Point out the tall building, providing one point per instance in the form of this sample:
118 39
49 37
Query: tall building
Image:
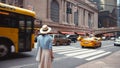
105 5
107 13
118 14
108 5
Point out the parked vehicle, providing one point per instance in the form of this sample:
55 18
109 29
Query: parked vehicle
60 39
73 37
90 42
112 38
117 41
103 38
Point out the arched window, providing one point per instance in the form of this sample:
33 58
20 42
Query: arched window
54 11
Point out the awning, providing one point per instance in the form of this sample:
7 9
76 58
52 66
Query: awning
81 33
108 34
67 32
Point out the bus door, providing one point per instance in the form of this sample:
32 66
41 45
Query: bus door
25 32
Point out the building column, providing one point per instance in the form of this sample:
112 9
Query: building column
86 18
95 20
64 12
79 17
72 16
92 20
48 9
82 17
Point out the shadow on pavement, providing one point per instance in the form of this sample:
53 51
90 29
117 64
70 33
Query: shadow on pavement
16 56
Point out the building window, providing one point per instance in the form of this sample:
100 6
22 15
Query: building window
54 11
68 11
20 3
76 18
84 17
89 20
12 2
3 1
119 12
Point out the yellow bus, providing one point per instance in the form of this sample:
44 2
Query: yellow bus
16 29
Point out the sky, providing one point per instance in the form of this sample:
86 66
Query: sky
118 1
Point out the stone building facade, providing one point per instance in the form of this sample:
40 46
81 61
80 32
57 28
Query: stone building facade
18 3
66 15
77 16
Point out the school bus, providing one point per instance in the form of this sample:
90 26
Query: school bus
16 29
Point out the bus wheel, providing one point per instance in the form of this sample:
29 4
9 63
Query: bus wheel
3 50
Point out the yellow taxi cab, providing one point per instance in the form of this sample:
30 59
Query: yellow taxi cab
90 42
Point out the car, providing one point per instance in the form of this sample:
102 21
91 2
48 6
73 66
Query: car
73 37
103 38
112 38
90 42
60 39
117 42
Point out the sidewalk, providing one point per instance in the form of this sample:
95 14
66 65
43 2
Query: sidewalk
112 61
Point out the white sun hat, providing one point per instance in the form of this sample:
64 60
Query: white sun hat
45 29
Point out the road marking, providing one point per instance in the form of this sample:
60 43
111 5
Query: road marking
64 47
89 54
25 65
79 53
58 50
72 51
97 56
107 45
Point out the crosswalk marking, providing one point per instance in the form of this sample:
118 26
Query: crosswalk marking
97 56
77 53
72 51
87 54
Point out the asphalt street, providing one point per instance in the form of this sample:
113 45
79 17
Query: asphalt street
65 56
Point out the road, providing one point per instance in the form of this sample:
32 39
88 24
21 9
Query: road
65 56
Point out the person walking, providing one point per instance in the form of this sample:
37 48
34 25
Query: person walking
44 44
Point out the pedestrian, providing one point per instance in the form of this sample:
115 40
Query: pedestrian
44 44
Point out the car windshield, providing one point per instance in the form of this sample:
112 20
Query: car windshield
89 38
117 37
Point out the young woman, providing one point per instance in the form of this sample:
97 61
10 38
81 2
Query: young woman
44 43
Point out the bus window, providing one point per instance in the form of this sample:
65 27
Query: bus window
7 21
29 25
21 23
